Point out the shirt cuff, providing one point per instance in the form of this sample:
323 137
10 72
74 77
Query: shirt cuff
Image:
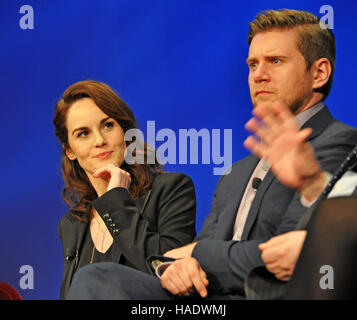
307 203
159 270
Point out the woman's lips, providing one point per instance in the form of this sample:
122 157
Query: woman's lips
103 155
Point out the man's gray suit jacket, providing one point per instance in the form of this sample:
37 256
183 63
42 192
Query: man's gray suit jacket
276 209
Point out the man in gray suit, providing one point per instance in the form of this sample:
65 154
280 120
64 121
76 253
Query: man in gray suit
291 60
294 164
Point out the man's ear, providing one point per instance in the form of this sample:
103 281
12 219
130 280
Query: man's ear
69 153
321 69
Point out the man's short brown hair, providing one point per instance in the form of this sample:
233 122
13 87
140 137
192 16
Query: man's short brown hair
314 42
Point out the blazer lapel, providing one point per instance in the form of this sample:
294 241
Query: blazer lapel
141 201
318 123
253 212
230 205
74 239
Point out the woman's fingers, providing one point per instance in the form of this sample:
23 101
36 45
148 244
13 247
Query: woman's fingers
103 173
115 176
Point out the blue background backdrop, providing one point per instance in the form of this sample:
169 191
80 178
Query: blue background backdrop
179 62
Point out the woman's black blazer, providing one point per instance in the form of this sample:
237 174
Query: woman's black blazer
160 220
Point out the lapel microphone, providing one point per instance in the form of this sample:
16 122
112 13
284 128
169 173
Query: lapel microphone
256 183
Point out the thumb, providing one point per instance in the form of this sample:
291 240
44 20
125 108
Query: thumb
304 134
264 245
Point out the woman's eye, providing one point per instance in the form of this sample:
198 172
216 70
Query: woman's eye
82 134
109 124
276 61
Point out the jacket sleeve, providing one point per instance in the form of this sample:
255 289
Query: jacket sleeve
168 220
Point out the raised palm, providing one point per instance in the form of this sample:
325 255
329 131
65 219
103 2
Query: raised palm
291 157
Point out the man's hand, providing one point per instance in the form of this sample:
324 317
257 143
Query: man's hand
184 276
292 159
280 253
182 252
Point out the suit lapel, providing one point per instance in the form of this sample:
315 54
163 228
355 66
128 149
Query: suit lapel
253 212
229 207
318 123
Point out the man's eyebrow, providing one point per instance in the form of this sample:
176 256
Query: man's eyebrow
84 128
267 57
271 56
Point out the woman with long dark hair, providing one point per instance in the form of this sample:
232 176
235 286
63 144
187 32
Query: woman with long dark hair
119 212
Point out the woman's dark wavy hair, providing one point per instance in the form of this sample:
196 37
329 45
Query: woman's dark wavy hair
78 191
